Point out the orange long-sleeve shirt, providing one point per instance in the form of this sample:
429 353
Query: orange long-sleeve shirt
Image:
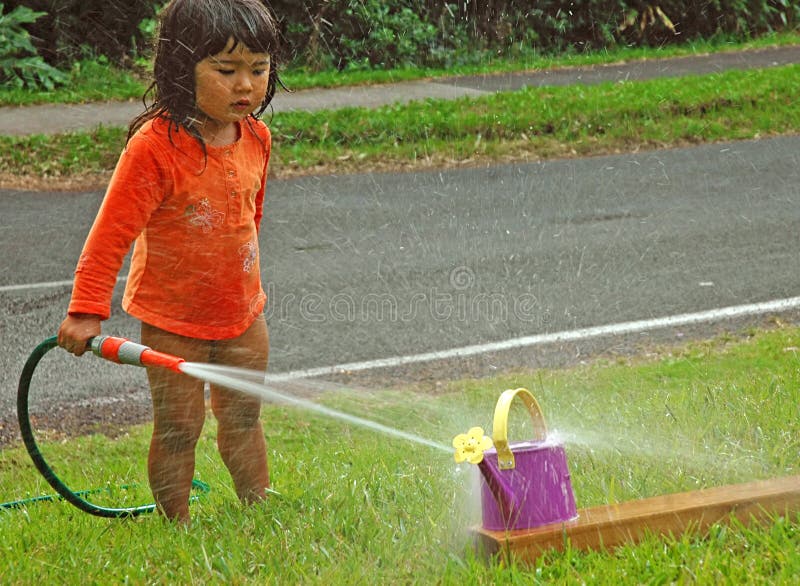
194 220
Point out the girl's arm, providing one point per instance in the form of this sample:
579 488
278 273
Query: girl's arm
267 138
135 191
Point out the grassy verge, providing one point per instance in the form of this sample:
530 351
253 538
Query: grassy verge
301 79
89 81
528 124
356 506
98 80
546 122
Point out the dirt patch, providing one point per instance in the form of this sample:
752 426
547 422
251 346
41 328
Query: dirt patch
72 183
344 165
98 181
65 421
506 152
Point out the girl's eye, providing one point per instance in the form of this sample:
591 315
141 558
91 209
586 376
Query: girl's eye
259 71
225 71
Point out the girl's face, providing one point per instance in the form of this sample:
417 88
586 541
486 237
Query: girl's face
229 86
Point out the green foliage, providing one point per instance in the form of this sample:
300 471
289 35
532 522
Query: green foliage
89 80
63 155
99 79
356 34
20 65
77 29
544 122
374 34
430 33
377 33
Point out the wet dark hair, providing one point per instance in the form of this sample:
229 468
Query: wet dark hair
190 31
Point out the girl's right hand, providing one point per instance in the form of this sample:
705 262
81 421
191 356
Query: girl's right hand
76 331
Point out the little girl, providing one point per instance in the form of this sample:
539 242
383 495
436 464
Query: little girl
189 189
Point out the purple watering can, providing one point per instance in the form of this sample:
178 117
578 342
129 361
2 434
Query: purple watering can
523 485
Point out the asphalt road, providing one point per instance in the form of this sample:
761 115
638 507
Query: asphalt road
371 266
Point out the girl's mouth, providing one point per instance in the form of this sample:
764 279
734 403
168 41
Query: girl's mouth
242 105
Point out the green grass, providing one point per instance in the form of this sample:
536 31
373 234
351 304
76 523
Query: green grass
302 79
63 154
549 121
90 81
530 123
94 80
359 507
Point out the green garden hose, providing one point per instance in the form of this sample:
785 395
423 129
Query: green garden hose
63 490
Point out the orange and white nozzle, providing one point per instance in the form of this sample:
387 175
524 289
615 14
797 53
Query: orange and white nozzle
123 351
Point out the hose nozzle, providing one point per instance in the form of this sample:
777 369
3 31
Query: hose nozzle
123 351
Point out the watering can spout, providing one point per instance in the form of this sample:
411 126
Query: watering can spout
470 447
507 503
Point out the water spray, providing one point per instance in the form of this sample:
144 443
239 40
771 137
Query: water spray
123 351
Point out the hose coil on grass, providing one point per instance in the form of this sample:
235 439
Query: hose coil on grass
62 489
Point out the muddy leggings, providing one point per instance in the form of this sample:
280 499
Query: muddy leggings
179 414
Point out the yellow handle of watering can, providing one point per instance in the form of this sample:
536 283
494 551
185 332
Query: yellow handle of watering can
505 458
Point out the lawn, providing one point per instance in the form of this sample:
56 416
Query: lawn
354 505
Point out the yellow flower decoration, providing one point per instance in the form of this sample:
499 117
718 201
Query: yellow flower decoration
471 445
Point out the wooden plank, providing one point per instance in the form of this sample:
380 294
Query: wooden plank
672 514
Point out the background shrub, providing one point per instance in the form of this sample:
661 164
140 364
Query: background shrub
356 33
20 66
351 34
348 33
72 29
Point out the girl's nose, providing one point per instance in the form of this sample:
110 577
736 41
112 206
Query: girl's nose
244 82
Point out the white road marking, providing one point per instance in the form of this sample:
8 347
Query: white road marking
630 327
44 285
539 339
32 286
